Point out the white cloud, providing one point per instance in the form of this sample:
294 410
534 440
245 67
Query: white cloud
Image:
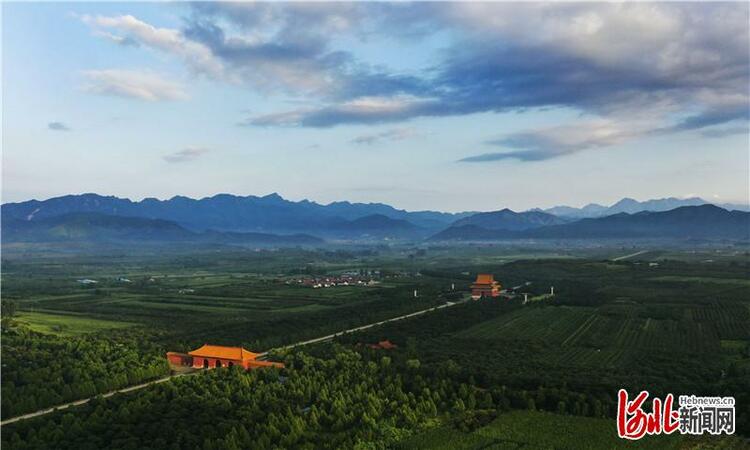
368 109
553 142
194 54
142 85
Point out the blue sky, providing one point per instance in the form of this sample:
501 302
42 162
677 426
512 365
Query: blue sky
447 106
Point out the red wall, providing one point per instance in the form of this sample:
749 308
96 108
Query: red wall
199 360
179 359
249 364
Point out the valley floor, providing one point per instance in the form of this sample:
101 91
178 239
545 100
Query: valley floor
494 373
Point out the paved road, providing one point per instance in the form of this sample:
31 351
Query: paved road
161 380
620 258
364 327
86 400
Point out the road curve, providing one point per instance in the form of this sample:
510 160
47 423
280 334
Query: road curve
136 387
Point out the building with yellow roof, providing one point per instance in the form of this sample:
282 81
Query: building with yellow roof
212 356
485 286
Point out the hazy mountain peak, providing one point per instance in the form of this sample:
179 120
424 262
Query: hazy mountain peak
626 201
632 206
273 196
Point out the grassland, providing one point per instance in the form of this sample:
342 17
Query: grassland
66 324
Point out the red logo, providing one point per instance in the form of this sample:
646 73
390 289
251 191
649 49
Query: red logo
633 423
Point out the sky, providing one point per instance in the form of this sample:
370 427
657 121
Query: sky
441 106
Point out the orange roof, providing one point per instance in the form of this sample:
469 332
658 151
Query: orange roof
218 351
485 278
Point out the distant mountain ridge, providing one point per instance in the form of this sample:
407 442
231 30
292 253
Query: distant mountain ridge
98 228
631 206
686 222
232 217
225 212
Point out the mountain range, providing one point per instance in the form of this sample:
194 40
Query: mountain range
273 220
225 212
685 222
632 206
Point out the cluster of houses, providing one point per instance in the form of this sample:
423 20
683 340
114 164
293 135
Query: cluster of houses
334 280
350 278
90 281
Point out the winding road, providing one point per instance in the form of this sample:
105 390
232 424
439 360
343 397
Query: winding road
136 387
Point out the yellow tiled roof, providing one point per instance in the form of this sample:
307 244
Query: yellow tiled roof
218 351
485 278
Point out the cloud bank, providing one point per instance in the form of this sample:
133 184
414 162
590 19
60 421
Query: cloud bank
548 143
683 65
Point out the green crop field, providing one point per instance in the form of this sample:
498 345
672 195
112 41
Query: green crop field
66 324
605 336
708 280
552 325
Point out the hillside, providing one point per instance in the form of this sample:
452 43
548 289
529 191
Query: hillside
687 222
97 228
375 226
509 220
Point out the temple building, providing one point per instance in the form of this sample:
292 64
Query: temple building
211 356
485 286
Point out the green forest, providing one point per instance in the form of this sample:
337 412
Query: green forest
466 373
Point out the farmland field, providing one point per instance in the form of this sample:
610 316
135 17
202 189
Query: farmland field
551 325
66 324
610 325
